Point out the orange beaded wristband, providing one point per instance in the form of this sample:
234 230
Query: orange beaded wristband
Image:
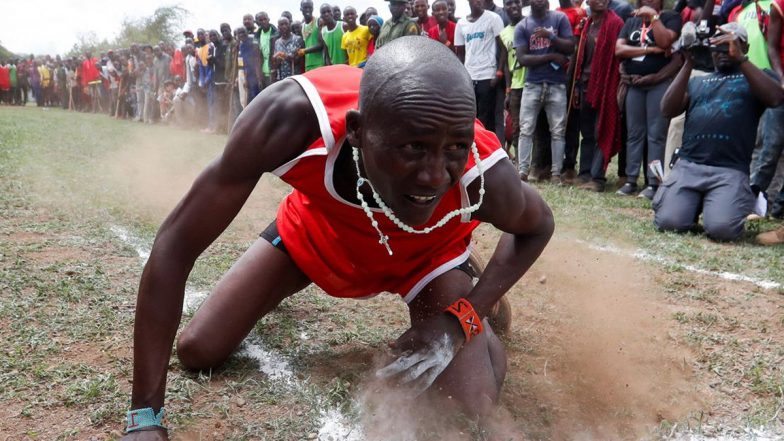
468 318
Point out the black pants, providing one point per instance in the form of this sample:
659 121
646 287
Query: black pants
485 103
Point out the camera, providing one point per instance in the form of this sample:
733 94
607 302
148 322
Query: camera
694 36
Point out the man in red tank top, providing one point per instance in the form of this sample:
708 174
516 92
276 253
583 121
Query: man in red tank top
391 173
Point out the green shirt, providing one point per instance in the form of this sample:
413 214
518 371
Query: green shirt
758 47
396 29
12 75
518 72
333 40
264 45
310 35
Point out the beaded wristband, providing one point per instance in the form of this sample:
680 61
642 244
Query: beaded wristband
468 318
139 419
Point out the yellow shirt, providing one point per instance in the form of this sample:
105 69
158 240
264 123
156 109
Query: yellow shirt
356 43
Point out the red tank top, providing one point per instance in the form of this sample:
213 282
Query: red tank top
332 241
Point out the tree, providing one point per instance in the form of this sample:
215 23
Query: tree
163 25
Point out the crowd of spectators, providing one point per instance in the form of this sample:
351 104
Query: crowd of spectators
688 99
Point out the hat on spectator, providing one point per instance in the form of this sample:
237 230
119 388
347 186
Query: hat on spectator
188 34
737 29
377 19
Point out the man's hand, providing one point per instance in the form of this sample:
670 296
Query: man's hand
442 37
146 435
424 351
559 58
541 32
645 12
735 52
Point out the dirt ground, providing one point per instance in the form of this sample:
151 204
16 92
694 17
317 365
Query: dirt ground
603 346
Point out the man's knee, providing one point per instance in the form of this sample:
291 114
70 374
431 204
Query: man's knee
723 229
666 220
194 352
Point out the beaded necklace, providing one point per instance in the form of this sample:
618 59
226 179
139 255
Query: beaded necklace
383 238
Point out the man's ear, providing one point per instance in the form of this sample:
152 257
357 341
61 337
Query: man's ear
354 128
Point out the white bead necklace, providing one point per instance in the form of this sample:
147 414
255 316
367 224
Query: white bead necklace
383 238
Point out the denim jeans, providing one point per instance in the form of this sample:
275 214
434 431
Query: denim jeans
764 167
553 98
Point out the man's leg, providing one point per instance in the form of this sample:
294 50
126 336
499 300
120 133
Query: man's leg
498 111
727 203
555 108
485 103
530 105
515 97
764 167
677 204
636 123
475 375
657 129
254 286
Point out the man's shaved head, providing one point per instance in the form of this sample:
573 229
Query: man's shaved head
397 70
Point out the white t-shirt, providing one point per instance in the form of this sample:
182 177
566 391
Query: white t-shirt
479 41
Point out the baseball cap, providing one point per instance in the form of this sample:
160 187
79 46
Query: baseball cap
735 28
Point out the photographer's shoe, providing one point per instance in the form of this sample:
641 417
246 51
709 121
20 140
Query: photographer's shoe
775 237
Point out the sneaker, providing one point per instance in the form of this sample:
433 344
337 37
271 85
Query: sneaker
556 180
621 181
775 237
594 186
523 177
648 193
628 189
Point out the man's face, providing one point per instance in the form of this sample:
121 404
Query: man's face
227 34
200 35
157 51
242 34
336 13
247 21
397 9
296 28
540 5
452 7
441 12
214 37
307 10
283 27
513 8
325 13
412 163
350 16
598 5
374 28
420 9
476 5
262 19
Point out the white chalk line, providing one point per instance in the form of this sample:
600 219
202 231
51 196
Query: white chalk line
648 257
335 426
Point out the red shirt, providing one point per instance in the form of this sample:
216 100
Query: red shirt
450 33
332 241
177 65
575 16
5 78
89 71
430 23
780 11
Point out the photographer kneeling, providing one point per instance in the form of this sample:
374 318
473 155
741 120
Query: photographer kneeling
722 113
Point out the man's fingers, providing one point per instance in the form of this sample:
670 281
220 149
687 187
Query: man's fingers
399 365
416 370
427 379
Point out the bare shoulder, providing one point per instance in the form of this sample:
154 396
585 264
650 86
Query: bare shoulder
277 126
509 204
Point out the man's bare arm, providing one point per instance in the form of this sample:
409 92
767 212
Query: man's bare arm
267 134
527 222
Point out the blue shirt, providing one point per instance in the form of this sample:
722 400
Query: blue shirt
558 24
721 121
